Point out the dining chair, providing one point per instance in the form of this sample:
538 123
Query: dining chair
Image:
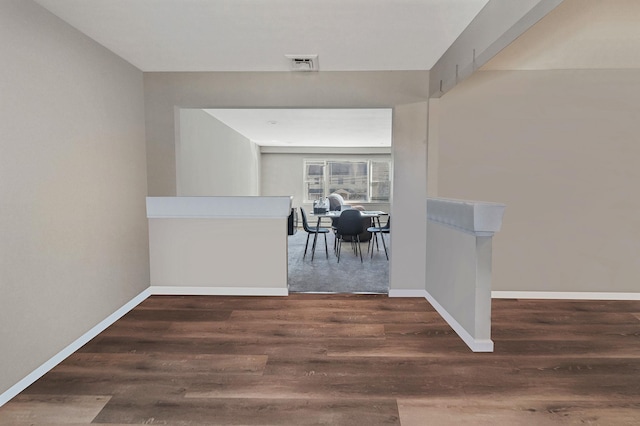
350 226
375 230
315 230
336 203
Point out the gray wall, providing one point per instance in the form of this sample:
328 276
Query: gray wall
560 149
459 280
213 159
74 244
409 229
166 91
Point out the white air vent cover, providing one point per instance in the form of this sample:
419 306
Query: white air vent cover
303 62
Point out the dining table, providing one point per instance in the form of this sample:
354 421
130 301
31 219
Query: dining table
373 214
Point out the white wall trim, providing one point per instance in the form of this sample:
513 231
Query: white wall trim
323 150
476 345
77 344
218 291
563 295
407 292
479 218
249 207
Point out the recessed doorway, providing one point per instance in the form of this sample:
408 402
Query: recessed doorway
267 150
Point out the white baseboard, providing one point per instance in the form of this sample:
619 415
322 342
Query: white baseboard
476 345
560 295
564 295
407 293
77 344
218 291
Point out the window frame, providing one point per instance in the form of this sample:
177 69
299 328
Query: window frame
326 182
306 181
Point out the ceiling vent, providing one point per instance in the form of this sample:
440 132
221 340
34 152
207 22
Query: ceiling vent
303 62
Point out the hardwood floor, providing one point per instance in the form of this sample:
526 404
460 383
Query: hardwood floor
344 360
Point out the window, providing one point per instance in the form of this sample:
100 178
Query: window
358 180
314 180
380 187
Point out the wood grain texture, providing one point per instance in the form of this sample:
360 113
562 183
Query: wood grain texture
344 360
510 411
40 409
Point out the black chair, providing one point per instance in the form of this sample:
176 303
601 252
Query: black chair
336 203
375 230
315 230
350 226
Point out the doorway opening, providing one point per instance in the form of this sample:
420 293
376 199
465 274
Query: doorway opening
269 152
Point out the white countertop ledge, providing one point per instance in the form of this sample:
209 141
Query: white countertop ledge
480 218
249 207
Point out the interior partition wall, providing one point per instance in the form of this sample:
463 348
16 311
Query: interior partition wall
167 92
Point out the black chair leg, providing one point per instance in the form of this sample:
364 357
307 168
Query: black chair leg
305 246
385 246
358 247
370 245
313 248
326 249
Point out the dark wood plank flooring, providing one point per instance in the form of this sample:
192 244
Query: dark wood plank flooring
344 360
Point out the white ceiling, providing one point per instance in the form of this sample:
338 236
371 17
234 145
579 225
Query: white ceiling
254 35
310 127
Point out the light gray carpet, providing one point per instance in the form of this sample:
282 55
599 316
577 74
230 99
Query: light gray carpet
324 275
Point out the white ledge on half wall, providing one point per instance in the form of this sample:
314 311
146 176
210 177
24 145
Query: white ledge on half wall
219 207
479 218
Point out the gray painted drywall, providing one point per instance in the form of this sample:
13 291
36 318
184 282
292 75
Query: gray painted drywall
459 277
202 254
212 159
409 226
74 246
560 149
166 91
